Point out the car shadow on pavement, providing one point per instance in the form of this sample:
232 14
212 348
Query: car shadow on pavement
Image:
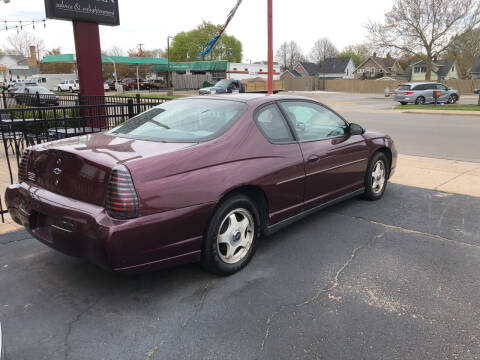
329 269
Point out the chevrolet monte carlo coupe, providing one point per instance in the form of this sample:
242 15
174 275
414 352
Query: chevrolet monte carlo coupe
195 179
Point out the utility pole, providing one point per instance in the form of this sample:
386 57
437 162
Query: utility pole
270 47
140 51
168 66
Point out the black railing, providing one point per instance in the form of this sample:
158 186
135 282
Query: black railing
24 126
33 99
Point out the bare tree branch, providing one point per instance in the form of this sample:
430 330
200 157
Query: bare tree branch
424 26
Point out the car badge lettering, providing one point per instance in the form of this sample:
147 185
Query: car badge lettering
57 171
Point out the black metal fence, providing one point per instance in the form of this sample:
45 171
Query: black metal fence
25 125
10 100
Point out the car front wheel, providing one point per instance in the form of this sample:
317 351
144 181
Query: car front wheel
376 177
59 89
229 242
452 99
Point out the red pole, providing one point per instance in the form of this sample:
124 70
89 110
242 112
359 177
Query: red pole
270 47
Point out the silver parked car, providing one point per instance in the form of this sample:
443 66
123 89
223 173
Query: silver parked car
422 93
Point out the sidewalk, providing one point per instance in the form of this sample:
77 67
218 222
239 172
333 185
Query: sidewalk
447 176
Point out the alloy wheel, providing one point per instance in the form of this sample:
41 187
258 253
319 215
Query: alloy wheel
420 100
452 99
378 177
235 236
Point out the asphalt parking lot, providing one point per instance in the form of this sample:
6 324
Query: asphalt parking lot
394 279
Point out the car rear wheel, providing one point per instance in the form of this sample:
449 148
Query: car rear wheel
420 100
452 99
376 177
70 89
59 89
229 242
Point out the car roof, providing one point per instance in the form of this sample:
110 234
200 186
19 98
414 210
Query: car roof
420 83
252 97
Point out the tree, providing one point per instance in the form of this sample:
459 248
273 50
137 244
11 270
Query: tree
360 51
355 57
187 45
21 42
322 49
115 51
465 48
54 51
288 55
428 26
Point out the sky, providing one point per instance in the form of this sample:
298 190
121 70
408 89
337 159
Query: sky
150 22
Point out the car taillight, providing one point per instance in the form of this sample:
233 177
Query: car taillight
122 200
23 167
408 92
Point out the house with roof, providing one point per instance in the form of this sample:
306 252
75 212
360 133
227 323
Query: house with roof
15 67
306 69
289 74
475 70
441 70
376 67
337 68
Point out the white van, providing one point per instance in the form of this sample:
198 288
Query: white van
51 81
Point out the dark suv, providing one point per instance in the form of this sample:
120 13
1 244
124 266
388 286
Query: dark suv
422 93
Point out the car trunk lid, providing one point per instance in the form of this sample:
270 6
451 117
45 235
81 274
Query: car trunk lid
80 167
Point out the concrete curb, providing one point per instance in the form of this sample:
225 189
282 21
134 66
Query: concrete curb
440 112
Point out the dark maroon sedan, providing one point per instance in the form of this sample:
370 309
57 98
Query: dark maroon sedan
196 179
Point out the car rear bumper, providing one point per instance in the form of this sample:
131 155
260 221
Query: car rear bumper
403 98
85 230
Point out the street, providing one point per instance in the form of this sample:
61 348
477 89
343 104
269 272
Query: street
442 136
395 279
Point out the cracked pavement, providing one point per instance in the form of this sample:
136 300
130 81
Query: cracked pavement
394 279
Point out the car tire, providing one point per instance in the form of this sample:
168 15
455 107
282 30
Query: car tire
452 99
403 103
420 100
376 177
59 89
229 245
70 89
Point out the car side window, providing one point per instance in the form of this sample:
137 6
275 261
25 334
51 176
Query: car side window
312 121
272 124
420 87
441 87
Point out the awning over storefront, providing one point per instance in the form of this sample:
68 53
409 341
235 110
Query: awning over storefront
129 60
200 66
158 64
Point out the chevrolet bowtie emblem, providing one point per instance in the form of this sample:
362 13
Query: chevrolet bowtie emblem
57 171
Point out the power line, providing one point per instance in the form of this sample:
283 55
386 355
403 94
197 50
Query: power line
19 25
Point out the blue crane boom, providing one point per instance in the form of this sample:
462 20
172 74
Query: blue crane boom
211 44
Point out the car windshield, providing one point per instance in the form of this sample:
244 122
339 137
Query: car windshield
40 90
403 87
189 120
222 84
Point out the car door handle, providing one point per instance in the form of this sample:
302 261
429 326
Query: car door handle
313 158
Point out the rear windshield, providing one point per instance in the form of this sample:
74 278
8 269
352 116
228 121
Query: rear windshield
189 120
403 87
222 83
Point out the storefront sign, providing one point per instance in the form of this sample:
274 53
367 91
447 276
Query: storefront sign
104 12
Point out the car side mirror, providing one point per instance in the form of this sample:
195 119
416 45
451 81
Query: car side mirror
355 129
